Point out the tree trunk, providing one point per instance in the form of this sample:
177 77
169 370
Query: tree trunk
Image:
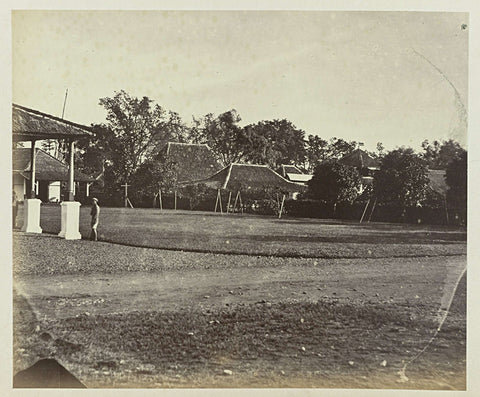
334 208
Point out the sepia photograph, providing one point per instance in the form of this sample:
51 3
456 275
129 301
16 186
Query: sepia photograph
239 199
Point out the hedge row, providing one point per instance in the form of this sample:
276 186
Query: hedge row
381 213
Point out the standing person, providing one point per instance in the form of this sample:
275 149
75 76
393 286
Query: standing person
14 208
95 212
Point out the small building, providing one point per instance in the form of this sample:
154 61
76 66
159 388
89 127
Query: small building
193 161
293 174
437 182
29 125
250 177
51 176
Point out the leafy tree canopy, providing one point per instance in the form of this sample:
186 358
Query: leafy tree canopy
222 133
136 130
274 142
319 150
334 183
439 154
402 179
456 178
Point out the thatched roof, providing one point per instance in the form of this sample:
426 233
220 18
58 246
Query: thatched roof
29 124
250 176
47 167
437 181
359 159
194 161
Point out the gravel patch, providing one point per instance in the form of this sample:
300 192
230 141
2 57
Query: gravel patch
48 254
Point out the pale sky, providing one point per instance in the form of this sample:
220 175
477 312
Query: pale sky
353 75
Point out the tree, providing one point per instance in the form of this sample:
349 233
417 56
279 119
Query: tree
275 142
136 130
154 176
197 194
334 183
175 128
402 180
317 151
439 154
49 146
222 133
339 147
430 152
93 152
456 178
380 150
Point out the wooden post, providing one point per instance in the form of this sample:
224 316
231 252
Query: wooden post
446 210
364 211
216 204
240 200
220 201
281 207
175 200
160 199
71 177
155 200
229 198
126 194
33 155
371 213
236 198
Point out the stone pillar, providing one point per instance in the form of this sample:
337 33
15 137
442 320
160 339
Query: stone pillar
31 216
32 192
70 221
71 180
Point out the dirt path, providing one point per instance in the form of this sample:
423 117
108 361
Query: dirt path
102 320
428 281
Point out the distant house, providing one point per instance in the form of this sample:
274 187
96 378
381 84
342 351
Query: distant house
437 182
193 161
293 174
360 159
365 164
251 177
51 176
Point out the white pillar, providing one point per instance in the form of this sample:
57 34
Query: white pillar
32 193
71 180
31 216
70 220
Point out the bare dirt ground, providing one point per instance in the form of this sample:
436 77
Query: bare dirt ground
190 319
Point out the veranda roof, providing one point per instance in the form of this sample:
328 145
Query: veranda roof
302 178
194 161
48 168
29 124
250 176
359 159
289 169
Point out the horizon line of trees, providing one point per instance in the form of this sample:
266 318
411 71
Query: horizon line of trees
127 148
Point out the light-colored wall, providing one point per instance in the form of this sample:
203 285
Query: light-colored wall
54 191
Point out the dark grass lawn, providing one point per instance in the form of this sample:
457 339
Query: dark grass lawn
263 235
323 344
